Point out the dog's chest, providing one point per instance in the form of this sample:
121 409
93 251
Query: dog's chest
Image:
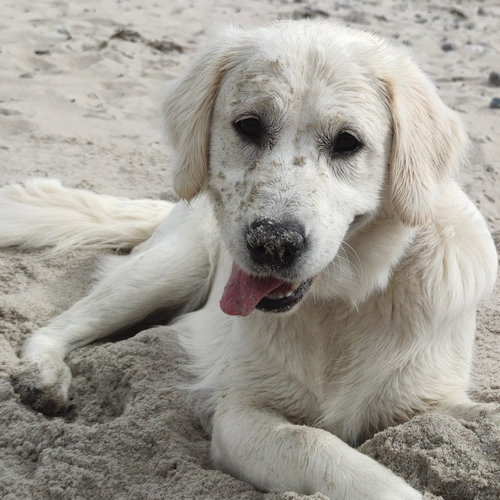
331 370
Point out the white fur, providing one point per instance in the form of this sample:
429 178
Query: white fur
400 257
74 217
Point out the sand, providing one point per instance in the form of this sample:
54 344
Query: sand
81 104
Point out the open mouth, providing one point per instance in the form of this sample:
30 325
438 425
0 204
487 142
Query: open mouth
244 293
284 297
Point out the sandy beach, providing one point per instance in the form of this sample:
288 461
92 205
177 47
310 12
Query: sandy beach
81 86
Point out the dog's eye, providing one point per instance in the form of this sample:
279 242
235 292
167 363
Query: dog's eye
250 128
345 143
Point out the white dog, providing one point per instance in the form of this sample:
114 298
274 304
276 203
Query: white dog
326 269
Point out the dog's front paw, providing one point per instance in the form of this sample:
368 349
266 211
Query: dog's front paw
43 384
492 412
375 482
394 489
406 493
471 411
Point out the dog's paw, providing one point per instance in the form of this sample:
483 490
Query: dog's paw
488 411
376 482
493 412
408 494
397 489
43 384
472 411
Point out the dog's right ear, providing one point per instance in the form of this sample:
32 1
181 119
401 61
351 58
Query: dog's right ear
188 110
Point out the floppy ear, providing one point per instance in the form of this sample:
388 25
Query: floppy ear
188 111
429 141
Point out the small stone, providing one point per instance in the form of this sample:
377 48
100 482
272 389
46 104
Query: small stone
9 112
128 35
447 47
495 103
309 13
494 79
26 75
419 19
458 14
65 32
166 46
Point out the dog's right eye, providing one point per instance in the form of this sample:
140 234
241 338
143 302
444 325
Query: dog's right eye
250 129
345 143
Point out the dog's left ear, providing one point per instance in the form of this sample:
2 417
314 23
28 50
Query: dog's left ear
429 140
188 110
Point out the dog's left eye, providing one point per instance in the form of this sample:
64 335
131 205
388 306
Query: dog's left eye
345 143
250 129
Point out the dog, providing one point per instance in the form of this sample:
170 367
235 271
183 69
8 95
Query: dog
324 266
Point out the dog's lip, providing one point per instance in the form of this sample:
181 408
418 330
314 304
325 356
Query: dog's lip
284 297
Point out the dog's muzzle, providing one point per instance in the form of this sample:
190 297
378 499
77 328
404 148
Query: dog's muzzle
274 247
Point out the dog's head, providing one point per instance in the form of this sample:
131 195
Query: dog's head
301 133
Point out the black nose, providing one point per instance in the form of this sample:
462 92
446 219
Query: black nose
275 244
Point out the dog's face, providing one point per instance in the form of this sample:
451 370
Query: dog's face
295 161
304 138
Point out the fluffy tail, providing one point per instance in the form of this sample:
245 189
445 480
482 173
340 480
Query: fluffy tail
44 213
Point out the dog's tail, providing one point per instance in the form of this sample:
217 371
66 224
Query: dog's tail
43 212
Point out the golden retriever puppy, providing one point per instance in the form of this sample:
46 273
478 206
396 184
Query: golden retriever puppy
326 268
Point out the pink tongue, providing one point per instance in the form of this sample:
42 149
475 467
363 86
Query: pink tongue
243 292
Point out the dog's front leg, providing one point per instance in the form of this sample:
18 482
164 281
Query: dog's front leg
263 448
171 271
